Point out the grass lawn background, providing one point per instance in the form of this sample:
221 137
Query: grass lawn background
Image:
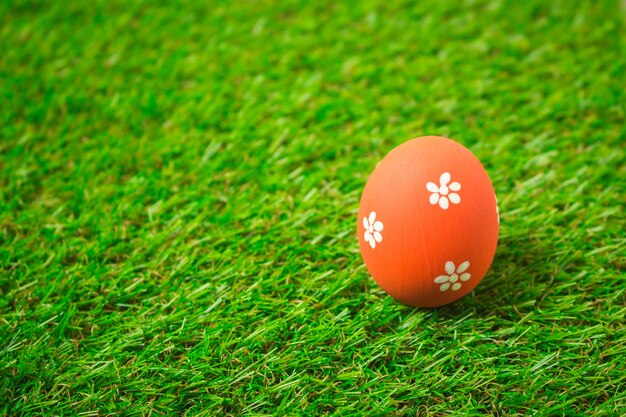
178 194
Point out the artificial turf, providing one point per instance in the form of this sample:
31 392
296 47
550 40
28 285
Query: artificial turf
179 189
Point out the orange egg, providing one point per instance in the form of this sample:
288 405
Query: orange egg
428 222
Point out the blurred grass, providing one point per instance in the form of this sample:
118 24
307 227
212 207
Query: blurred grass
179 185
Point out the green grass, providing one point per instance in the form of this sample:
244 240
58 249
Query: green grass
179 188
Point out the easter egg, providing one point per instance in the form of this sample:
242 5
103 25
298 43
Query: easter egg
428 222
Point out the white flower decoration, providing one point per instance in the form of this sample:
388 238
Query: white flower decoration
441 194
454 276
373 229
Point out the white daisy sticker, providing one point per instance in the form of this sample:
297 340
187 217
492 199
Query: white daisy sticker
444 193
455 276
373 229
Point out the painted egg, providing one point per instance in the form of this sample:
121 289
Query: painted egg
428 222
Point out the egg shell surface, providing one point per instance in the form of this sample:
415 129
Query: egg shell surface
428 222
